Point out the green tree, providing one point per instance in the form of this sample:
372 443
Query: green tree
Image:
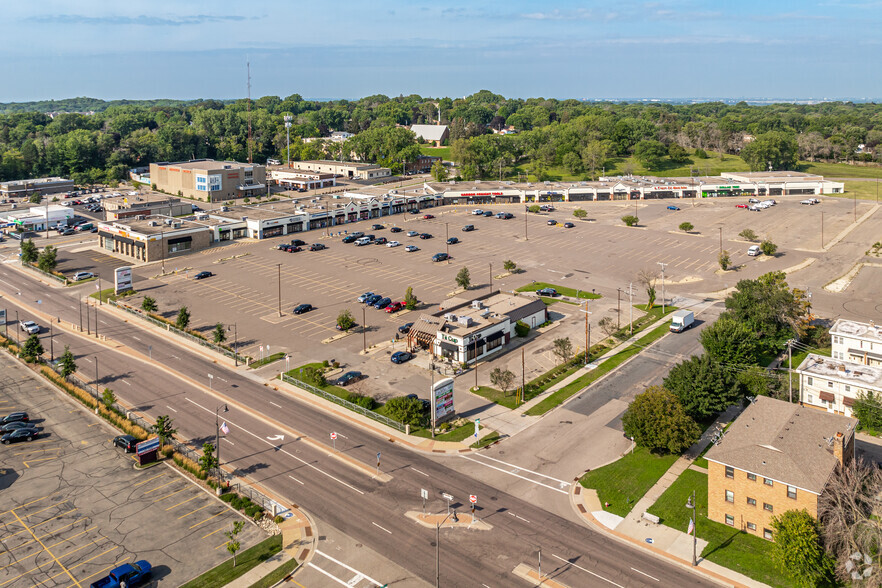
770 309
704 387
314 376
648 279
748 235
108 398
677 153
580 213
407 410
608 326
774 148
562 348
32 348
630 220
183 320
729 341
410 301
686 227
439 172
502 379
345 320
724 260
656 420
29 253
768 248
66 363
163 428
522 329
868 409
208 460
463 279
148 304
650 153
534 208
35 198
799 552
233 543
48 259
759 381
219 334
509 266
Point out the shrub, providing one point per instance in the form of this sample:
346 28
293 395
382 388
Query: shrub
630 220
725 260
748 235
361 400
279 519
768 248
522 329
326 364
701 153
406 410
228 497
686 227
314 376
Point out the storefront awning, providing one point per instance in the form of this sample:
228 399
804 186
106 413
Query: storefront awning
828 396
251 186
495 336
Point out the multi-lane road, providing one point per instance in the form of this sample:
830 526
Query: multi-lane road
301 468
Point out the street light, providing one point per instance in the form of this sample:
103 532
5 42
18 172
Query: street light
587 332
663 266
217 431
438 546
235 343
690 503
288 118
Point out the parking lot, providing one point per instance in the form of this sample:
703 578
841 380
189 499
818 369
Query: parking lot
74 507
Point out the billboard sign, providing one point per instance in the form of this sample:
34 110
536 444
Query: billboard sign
3 322
147 446
442 400
122 279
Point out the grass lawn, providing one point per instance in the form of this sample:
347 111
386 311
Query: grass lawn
727 546
560 290
840 170
442 152
860 190
107 294
494 395
485 441
245 562
624 482
266 360
458 434
329 388
276 575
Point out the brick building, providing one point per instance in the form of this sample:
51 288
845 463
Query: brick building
209 180
775 457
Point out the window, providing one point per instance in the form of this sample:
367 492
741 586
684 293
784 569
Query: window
767 534
751 526
809 399
809 380
768 507
730 472
730 520
751 477
848 388
768 482
751 501
829 384
791 492
730 496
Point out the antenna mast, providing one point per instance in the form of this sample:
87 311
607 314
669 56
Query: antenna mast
248 106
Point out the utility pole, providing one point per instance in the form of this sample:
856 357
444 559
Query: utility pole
663 266
280 289
631 308
97 392
619 310
80 304
288 118
526 238
476 363
721 240
51 346
447 238
363 331
523 376
790 368
587 332
491 278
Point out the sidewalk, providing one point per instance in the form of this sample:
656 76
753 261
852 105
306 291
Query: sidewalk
672 544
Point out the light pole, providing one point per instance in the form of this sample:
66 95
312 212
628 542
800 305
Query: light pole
280 289
288 118
235 344
663 266
51 346
690 503
363 331
447 237
217 430
438 546
587 332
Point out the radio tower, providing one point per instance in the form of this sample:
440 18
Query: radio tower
248 106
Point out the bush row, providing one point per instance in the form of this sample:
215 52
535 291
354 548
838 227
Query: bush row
244 504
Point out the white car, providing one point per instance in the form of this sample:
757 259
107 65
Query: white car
411 248
809 202
81 276
30 327
477 212
393 244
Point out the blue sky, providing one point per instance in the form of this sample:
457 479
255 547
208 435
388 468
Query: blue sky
348 49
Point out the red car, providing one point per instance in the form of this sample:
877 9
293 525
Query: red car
740 206
395 307
428 216
294 249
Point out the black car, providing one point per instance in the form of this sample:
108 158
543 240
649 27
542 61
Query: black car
488 213
382 303
552 222
15 417
283 247
10 427
569 225
127 442
380 241
202 275
468 228
352 237
395 230
425 236
298 243
294 249
547 292
301 308
452 241
377 227
405 328
440 257
19 435
349 377
401 356
317 247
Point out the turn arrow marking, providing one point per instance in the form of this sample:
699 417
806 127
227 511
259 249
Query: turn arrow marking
276 438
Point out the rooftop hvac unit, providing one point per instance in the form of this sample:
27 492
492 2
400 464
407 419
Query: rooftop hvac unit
177 225
466 321
450 317
484 312
153 223
225 208
168 221
244 218
477 304
202 217
141 217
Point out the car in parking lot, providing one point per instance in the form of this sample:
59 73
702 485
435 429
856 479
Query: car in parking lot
405 328
504 215
29 327
426 236
19 435
547 292
808 201
552 222
350 377
377 227
126 442
10 427
672 207
411 248
15 417
395 306
741 205
468 228
569 225
380 241
301 308
477 212
317 247
412 233
752 200
365 296
488 213
382 303
395 230
401 356
754 208
361 241
393 244
370 300
81 276
294 249
298 242
452 241
440 257
428 216
353 237
202 275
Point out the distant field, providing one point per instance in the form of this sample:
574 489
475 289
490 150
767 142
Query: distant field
840 170
442 152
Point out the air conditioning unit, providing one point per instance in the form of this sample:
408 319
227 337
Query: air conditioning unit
477 304
484 312
142 217
153 223
176 225
169 221
466 321
450 317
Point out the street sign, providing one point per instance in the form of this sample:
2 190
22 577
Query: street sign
147 446
424 493
473 499
447 497
477 427
333 435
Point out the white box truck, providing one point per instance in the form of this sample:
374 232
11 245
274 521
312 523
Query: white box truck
682 320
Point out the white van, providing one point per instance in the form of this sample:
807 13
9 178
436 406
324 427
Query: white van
754 250
363 241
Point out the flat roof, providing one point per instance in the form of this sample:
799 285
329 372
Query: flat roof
146 197
494 310
845 371
786 442
146 226
354 164
208 164
50 180
774 175
867 331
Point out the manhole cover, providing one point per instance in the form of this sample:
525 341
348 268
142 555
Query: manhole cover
359 545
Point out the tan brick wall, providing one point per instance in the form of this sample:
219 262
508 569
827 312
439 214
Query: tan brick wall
742 487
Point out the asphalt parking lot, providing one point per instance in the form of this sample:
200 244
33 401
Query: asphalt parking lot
74 507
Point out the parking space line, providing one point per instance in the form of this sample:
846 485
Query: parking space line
208 519
26 528
148 479
30 530
159 487
42 509
101 571
221 528
26 463
184 502
36 451
80 563
221 545
192 511
172 494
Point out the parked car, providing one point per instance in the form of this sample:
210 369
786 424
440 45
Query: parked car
428 216
440 257
317 247
426 236
395 307
298 243
754 250
365 296
350 377
127 442
377 227
452 241
282 247
10 427
15 417
808 201
815 200
412 233
294 249
82 276
569 225
488 213
371 300
382 303
361 241
742 205
477 212
393 244
353 237
405 328
202 275
752 200
380 241
468 228
672 207
68 232
411 248
24 434
552 222
29 327
301 308
547 292
401 357
125 576
395 230
754 208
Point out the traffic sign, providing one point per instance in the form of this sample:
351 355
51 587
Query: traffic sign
447 497
473 499
333 435
424 493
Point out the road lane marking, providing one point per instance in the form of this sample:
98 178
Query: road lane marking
419 472
645 574
518 517
487 465
227 440
379 527
135 338
328 574
170 408
351 569
587 571
274 404
124 382
296 480
524 469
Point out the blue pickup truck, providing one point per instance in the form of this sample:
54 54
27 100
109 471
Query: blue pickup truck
125 576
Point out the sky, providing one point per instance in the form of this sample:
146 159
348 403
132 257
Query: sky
586 49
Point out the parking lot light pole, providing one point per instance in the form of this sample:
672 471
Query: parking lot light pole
51 346
280 289
217 431
587 332
363 331
491 278
663 266
447 237
235 344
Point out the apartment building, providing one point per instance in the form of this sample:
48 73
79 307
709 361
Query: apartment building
857 342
